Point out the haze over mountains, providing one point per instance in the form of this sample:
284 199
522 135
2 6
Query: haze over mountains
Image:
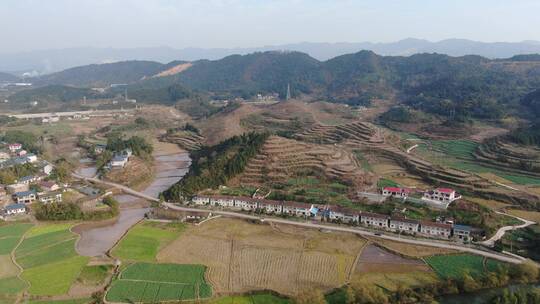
48 61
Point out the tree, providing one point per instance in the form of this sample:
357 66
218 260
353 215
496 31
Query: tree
525 272
310 297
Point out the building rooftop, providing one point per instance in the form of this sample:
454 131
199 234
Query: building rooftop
24 193
15 206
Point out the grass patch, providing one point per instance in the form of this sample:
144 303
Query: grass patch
150 283
455 266
48 257
143 242
252 299
12 285
73 301
384 182
14 230
55 278
94 275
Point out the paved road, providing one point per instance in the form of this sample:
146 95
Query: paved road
500 233
356 230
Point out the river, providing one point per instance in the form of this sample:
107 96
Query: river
171 162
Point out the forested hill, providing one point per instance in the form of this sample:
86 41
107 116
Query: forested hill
97 75
453 86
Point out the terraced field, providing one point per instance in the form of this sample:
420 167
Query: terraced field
188 140
353 134
152 283
244 257
47 255
281 159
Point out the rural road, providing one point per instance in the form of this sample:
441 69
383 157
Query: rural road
356 230
500 233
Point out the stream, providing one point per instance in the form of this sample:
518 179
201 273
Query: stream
171 162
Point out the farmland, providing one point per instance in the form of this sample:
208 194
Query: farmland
454 266
143 241
244 257
144 282
10 284
48 257
251 299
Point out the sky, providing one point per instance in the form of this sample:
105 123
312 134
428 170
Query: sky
55 24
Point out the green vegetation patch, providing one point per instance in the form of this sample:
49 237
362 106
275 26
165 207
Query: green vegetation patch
54 278
383 182
143 242
48 257
455 266
150 283
14 230
94 275
252 299
73 301
11 285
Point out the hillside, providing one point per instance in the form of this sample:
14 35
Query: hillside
54 93
456 87
98 75
6 77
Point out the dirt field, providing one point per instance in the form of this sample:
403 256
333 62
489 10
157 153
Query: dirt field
136 174
415 251
375 259
528 215
243 257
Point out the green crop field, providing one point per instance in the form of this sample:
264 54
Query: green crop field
143 242
10 235
454 266
150 283
94 275
11 285
48 257
251 299
74 301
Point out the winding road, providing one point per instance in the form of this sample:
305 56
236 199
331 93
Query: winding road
356 230
500 233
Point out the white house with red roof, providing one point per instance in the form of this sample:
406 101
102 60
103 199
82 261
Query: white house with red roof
14 147
443 195
396 192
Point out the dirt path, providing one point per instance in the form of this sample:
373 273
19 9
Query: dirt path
21 269
501 232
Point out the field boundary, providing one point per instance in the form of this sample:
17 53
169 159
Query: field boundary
14 261
355 263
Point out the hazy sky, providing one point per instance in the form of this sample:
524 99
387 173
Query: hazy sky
46 24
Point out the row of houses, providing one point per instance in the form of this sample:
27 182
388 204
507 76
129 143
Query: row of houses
443 195
338 214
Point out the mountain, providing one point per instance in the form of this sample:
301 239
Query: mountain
457 87
97 75
48 61
6 77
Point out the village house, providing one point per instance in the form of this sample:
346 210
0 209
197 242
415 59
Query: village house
21 153
396 192
46 168
374 219
296 209
271 206
14 209
49 186
345 215
445 195
200 200
440 230
222 201
403 224
27 180
4 156
118 161
24 197
14 147
13 188
462 232
31 157
245 203
50 197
